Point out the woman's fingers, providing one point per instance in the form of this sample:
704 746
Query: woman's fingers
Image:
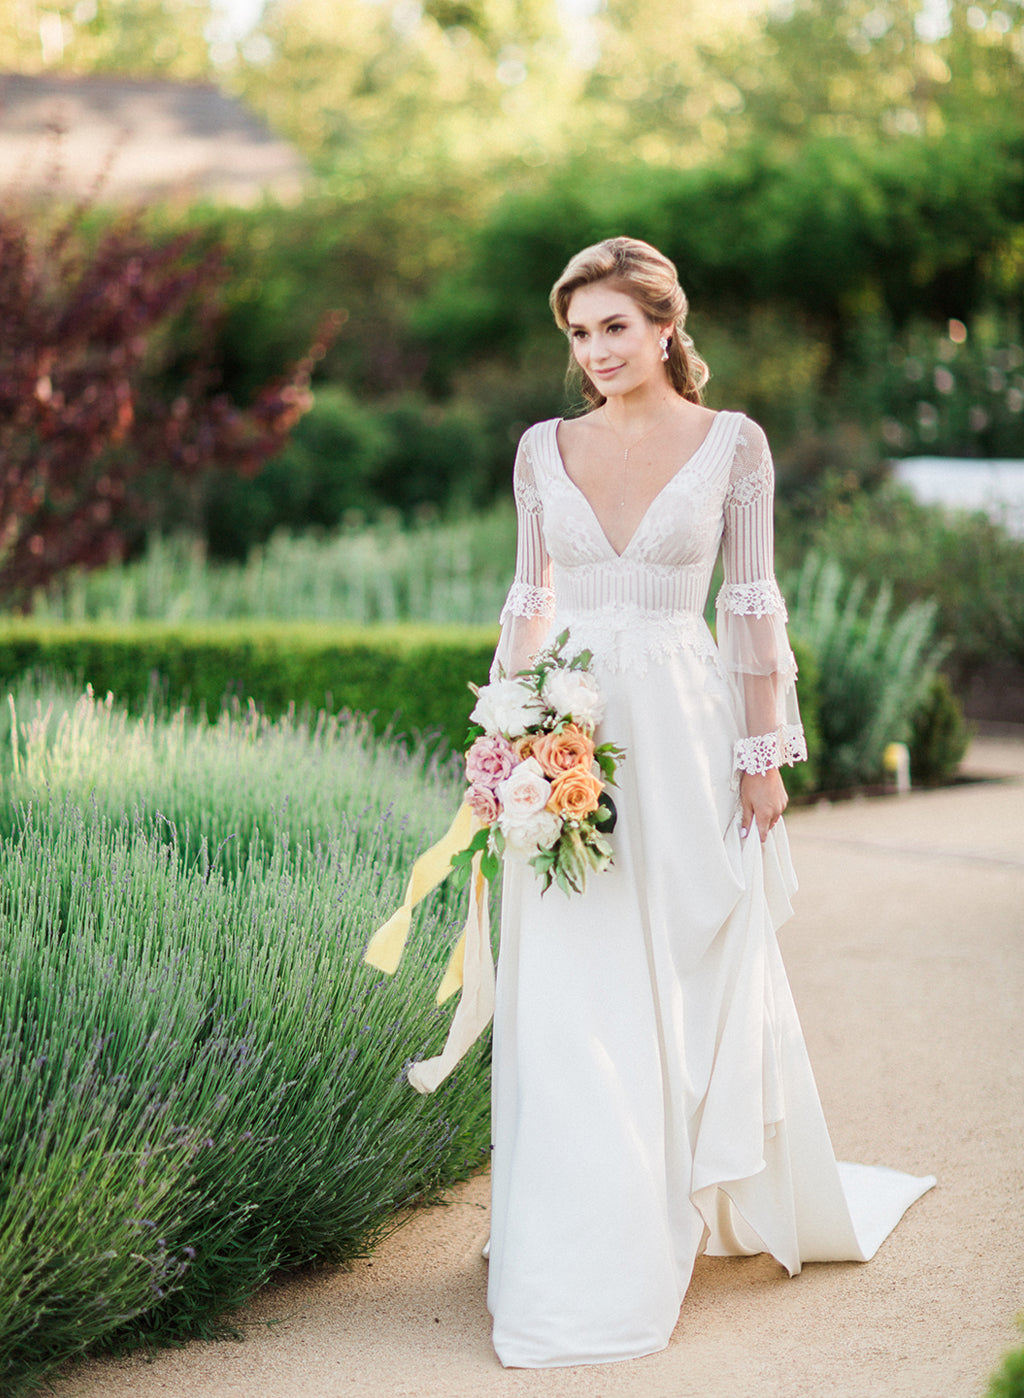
762 801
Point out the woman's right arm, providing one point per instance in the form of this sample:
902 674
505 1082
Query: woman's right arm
530 604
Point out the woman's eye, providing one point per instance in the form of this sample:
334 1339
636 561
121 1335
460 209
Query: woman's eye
579 334
613 328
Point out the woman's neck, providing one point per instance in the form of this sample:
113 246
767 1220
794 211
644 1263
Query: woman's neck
644 405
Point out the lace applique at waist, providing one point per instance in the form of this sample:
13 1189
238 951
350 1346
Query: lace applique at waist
626 639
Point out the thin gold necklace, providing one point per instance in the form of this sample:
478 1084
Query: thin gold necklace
626 450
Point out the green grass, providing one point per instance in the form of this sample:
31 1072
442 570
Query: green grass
199 1080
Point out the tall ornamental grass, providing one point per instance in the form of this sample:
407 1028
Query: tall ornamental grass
875 668
199 1080
457 571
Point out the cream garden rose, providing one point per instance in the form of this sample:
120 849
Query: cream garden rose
525 792
574 692
525 837
504 706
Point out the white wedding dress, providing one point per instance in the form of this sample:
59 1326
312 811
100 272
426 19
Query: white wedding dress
652 1094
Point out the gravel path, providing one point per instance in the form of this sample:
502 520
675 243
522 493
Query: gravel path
907 962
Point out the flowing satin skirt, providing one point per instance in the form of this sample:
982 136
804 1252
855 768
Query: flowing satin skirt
653 1097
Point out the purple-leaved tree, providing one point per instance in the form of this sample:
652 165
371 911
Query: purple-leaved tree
97 398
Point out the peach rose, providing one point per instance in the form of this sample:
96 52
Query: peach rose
575 794
524 746
563 751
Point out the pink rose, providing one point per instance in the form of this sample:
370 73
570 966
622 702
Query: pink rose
489 761
484 804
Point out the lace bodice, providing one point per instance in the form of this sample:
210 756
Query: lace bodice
630 608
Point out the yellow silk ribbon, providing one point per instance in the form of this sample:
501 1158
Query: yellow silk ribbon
385 947
470 966
475 1009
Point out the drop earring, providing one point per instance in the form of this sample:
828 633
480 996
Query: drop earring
663 342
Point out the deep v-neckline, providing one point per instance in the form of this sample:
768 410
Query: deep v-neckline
684 469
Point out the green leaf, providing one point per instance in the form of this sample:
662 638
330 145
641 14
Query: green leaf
462 861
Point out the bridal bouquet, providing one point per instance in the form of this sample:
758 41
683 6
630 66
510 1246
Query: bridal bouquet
537 791
537 782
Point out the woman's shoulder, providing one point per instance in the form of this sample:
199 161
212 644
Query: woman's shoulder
749 433
538 431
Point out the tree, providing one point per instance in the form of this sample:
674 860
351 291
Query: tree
166 37
398 91
889 69
97 398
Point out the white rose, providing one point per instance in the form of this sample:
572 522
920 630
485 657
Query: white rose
504 706
574 692
525 792
528 836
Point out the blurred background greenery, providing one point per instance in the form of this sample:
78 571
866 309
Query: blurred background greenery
840 184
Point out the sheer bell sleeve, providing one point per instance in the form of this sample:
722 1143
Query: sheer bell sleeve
530 604
751 615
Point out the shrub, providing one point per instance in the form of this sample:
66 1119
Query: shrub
969 567
930 394
409 680
938 735
874 669
1008 1380
324 473
355 459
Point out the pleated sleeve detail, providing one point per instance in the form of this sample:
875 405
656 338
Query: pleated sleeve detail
751 615
530 604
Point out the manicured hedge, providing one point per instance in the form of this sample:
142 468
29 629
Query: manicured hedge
412 679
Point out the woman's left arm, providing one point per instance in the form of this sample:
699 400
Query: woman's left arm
752 635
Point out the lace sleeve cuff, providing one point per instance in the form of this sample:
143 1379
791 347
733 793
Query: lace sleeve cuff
767 750
524 599
759 598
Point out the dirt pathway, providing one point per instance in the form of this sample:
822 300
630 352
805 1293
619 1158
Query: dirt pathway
907 962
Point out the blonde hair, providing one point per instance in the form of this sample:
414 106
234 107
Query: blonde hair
650 279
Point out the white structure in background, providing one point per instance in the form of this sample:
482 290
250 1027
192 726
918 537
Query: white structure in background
996 487
162 140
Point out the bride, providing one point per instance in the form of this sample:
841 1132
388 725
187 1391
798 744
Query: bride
653 1099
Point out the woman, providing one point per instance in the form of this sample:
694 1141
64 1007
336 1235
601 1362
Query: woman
652 1094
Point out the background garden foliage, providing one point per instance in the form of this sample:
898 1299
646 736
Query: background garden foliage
193 1059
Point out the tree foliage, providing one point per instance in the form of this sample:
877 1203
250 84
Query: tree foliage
406 91
832 232
98 396
140 37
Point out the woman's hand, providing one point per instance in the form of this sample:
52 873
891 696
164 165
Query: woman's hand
763 799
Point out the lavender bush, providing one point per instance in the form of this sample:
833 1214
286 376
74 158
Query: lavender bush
200 1082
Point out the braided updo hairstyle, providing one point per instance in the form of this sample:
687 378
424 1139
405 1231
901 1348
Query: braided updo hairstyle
643 273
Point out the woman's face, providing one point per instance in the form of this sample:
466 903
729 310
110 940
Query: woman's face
612 340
